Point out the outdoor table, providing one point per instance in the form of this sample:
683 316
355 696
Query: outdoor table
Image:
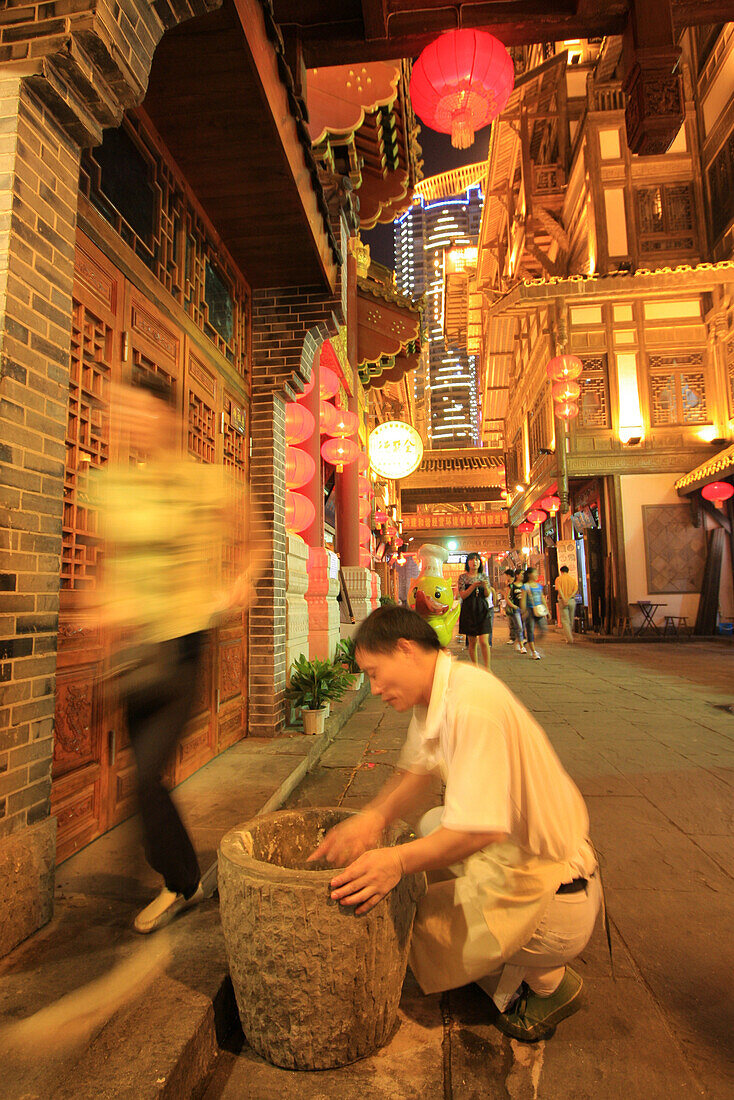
648 610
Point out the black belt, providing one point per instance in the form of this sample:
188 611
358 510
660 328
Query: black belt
574 887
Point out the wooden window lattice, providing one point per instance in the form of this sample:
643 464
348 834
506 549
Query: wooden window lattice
721 186
87 444
730 374
539 426
594 397
678 389
665 218
202 428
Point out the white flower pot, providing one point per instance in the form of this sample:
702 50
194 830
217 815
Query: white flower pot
313 721
357 682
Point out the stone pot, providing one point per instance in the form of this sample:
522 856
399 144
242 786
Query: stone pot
316 986
314 720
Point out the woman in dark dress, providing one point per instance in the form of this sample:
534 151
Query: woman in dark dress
478 600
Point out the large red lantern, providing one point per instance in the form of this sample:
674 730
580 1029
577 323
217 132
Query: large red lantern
364 535
564 367
718 492
299 511
380 517
364 508
365 558
567 410
299 468
328 382
551 504
339 452
342 423
363 463
537 516
565 390
364 486
327 417
299 423
525 528
460 83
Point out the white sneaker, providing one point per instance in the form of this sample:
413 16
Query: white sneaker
536 656
164 908
510 642
522 649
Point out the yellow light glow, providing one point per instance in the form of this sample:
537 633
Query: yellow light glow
630 414
707 434
458 259
395 449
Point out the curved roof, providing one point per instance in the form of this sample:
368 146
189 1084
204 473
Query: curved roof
447 184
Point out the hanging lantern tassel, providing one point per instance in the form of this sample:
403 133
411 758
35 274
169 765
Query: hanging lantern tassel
718 492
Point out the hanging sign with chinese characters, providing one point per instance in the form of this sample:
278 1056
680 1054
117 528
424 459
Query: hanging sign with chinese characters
395 449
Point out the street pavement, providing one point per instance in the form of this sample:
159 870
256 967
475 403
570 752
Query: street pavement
643 731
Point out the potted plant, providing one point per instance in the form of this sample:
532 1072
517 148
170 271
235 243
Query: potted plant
312 684
345 656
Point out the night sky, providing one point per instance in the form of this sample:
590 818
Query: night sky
439 155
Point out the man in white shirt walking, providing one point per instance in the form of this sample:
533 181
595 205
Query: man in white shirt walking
517 895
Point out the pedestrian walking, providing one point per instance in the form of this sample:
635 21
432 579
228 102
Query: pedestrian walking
476 618
164 519
535 609
566 587
508 578
513 890
515 596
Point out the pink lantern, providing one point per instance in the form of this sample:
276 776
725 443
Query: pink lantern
551 504
327 417
343 423
364 535
718 492
364 486
525 528
364 508
380 517
299 423
565 390
299 468
567 410
339 452
564 367
365 558
328 382
460 83
537 516
299 511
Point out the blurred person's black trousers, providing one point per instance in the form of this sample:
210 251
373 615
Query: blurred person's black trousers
156 716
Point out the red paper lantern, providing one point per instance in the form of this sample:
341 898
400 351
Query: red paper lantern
380 517
299 511
364 508
342 423
537 516
299 468
718 492
364 535
339 452
460 83
327 417
363 463
299 423
565 390
364 486
564 367
525 528
328 382
567 410
551 504
365 558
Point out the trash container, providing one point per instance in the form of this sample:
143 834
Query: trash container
316 985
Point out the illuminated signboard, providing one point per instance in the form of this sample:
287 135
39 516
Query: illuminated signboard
395 449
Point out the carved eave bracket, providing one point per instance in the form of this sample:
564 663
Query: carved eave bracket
654 108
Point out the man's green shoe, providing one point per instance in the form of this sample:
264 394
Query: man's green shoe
532 1018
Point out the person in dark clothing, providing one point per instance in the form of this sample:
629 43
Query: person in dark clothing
478 600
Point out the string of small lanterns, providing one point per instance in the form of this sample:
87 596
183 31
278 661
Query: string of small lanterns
563 370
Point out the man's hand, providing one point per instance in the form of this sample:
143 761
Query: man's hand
368 879
351 838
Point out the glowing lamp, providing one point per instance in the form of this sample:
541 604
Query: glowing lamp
718 492
564 367
567 410
565 390
339 452
328 382
525 528
299 423
342 423
364 486
395 449
365 558
380 517
364 535
537 516
299 511
551 504
460 83
364 508
299 468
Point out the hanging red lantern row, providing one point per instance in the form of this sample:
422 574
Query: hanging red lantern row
562 371
364 486
551 504
363 463
563 367
364 508
299 423
537 516
364 535
460 83
567 410
525 528
343 423
299 511
339 452
566 390
718 492
299 468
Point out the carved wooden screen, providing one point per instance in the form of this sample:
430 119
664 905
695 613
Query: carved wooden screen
678 389
665 218
594 396
539 425
730 375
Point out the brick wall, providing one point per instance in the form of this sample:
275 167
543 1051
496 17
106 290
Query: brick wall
288 326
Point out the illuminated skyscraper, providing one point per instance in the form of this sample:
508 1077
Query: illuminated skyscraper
421 236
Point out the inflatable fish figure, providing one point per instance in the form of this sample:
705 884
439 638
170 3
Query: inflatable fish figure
432 596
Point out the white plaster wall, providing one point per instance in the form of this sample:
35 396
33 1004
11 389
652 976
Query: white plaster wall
638 490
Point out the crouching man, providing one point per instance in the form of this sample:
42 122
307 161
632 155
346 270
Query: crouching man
513 891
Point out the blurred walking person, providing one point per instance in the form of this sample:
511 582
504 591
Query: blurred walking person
535 609
566 587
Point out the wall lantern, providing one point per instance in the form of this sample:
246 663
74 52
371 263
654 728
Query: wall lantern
395 449
364 535
551 504
299 511
564 367
567 410
537 516
718 492
299 468
525 528
565 390
299 423
339 452
460 83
